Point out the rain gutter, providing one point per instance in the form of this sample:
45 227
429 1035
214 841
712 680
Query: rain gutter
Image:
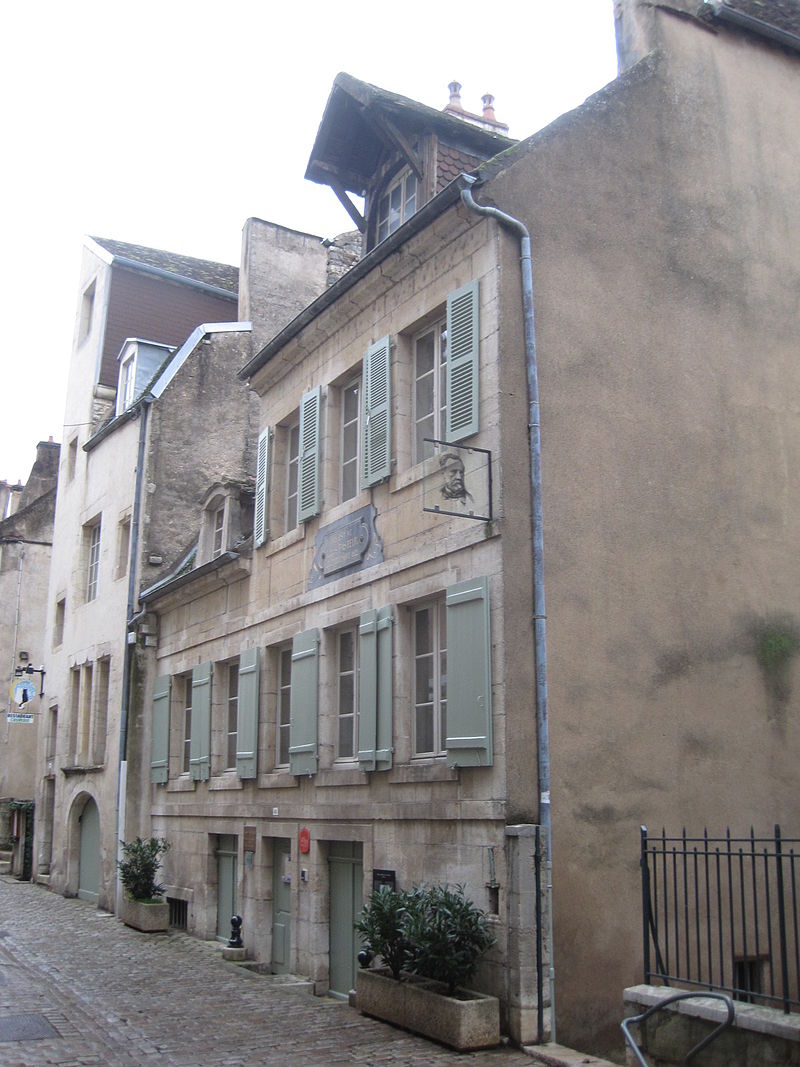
466 182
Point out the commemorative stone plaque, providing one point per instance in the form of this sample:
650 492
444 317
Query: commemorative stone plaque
347 545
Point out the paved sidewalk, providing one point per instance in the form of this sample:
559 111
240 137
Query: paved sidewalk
79 988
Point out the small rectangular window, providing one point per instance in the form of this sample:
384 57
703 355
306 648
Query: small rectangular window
123 547
430 679
72 458
58 622
284 705
347 694
219 528
100 711
350 436
430 368
87 310
187 724
233 714
292 466
397 205
93 560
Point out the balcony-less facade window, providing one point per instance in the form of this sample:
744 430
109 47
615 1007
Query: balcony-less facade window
347 746
291 477
349 440
430 681
397 205
93 561
430 389
187 724
284 705
233 714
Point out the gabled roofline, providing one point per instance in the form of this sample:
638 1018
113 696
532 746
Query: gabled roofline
164 375
426 214
138 267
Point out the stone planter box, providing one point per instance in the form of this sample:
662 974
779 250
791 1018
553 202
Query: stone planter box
149 917
466 1021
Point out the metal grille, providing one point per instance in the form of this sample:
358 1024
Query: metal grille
722 914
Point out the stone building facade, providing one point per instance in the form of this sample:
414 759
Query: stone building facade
353 698
26 538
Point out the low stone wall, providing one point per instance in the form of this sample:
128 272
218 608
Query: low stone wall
758 1035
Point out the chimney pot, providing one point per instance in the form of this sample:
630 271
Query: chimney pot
455 95
488 108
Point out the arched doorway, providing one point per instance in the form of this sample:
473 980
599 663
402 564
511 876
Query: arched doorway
89 860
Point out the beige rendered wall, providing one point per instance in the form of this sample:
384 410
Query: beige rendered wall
665 219
103 487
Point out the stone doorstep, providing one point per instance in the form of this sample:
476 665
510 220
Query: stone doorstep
559 1056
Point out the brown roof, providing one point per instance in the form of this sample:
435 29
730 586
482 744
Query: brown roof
351 138
219 275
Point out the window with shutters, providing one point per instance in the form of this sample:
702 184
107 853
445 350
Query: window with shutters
430 366
292 463
445 375
452 676
304 703
283 716
347 694
186 685
232 715
349 439
430 679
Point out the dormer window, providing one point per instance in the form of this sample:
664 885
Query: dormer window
218 530
397 205
127 382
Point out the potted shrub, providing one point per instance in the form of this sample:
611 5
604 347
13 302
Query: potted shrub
142 905
430 939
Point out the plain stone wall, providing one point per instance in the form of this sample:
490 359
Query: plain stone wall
282 271
758 1035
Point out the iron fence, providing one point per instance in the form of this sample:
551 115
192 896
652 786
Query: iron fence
722 914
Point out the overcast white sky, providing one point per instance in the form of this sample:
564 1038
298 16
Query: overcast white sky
170 123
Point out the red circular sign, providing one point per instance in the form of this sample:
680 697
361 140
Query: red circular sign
304 840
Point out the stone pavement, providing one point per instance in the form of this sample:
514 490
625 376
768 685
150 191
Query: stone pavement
78 988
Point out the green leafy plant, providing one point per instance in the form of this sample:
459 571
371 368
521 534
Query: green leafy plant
139 866
432 931
447 936
383 926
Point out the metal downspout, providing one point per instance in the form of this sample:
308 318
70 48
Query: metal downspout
539 616
144 409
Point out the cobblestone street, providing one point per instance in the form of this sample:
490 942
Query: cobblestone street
77 987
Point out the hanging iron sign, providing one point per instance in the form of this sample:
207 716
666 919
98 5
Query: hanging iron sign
22 691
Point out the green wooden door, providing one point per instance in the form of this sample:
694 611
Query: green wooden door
89 863
227 847
281 905
346 865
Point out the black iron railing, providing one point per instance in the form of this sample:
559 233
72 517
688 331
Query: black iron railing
723 914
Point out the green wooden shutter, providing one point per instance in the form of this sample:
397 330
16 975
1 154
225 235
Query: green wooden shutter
375 690
159 764
367 689
303 703
384 747
200 744
469 681
308 494
462 363
247 725
262 489
376 414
